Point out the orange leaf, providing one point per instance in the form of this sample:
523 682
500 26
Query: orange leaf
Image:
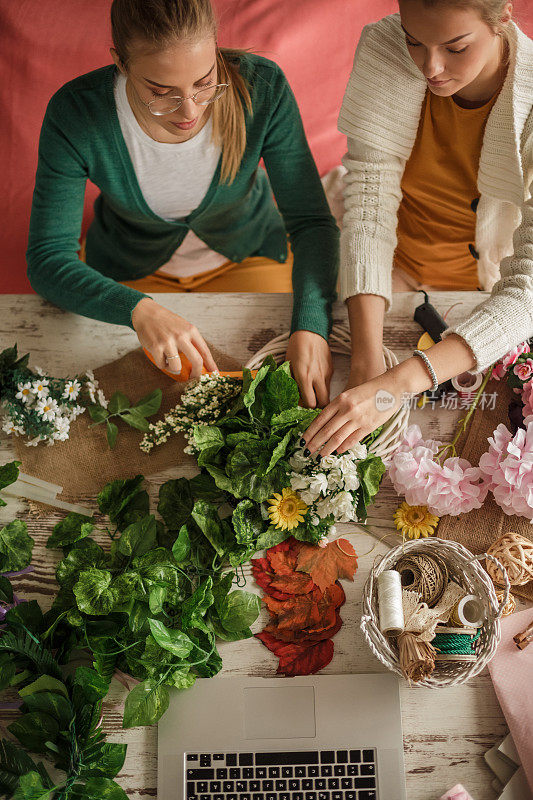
299 612
328 564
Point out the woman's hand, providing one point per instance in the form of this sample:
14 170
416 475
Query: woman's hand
354 414
369 368
311 366
164 334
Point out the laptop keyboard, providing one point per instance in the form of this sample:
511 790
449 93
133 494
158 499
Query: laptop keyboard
299 775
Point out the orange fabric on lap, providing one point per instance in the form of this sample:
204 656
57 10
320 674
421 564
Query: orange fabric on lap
436 222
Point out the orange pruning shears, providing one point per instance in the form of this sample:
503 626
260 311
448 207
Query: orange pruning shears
185 373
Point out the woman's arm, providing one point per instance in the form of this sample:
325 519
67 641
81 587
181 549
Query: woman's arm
314 238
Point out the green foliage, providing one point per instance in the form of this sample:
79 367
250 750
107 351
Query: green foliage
15 546
120 407
8 475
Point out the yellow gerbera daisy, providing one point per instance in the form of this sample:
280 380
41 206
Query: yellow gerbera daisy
286 510
415 521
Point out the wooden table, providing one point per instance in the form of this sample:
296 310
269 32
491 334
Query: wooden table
446 731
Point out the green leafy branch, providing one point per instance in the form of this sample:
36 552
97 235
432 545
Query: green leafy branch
121 407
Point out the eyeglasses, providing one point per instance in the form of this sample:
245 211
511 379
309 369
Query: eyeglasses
160 106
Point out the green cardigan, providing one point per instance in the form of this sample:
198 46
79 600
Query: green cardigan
81 139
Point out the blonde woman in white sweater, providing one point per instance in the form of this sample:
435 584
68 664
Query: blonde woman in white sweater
438 115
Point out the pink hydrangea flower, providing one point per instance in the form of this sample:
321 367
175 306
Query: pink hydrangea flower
508 467
527 398
502 366
524 370
453 487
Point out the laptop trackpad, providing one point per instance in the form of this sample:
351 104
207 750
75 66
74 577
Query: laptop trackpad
284 713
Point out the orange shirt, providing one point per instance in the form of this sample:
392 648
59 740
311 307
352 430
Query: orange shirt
436 221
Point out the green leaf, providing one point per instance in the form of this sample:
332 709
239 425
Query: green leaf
138 538
31 787
157 597
278 452
205 655
370 472
207 437
108 761
85 554
249 397
137 619
15 546
176 642
14 763
98 413
194 608
175 502
281 392
206 516
247 522
118 402
91 683
248 479
145 704
94 595
135 420
299 418
9 473
271 537
34 729
7 671
221 479
6 591
114 498
97 789
111 433
55 705
45 683
150 403
239 610
26 615
203 487
25 646
71 529
181 678
182 546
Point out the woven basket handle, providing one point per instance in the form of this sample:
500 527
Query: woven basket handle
507 585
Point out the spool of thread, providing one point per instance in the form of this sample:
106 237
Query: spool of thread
391 621
466 384
427 575
468 612
455 644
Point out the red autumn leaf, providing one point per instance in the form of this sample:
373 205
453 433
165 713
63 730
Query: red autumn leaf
304 635
297 613
308 661
292 583
328 564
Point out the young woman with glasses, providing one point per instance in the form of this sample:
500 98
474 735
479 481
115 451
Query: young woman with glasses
439 118
172 134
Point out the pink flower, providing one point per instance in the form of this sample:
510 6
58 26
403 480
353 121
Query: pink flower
457 793
527 398
453 487
502 366
508 467
524 370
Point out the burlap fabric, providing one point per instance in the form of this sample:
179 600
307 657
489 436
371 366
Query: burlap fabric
84 463
478 529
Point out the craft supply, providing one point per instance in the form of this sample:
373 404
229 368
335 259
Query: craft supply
468 611
416 657
510 605
466 384
30 491
455 644
427 575
515 553
391 621
524 638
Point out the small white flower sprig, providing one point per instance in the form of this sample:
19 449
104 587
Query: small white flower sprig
39 406
203 403
329 486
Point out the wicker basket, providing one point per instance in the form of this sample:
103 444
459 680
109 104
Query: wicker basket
394 428
466 570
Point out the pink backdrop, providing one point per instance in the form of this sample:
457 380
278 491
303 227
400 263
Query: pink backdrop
44 43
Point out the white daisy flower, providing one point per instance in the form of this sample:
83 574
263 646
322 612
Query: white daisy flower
10 427
62 429
90 374
74 412
71 390
25 392
39 371
40 387
102 398
91 389
47 408
34 442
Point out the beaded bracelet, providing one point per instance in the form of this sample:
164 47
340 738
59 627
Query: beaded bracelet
429 365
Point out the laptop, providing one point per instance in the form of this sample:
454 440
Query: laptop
323 737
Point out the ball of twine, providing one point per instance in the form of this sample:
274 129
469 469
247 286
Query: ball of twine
510 605
515 553
427 575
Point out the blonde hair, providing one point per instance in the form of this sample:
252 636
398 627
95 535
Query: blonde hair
490 11
161 22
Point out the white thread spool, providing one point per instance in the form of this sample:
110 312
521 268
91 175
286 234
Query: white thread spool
468 612
391 621
466 384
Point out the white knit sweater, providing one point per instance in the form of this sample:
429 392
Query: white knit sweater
380 115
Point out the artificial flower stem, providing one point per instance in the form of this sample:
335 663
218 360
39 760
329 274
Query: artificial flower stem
464 422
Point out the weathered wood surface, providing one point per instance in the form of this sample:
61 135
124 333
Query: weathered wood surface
447 731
